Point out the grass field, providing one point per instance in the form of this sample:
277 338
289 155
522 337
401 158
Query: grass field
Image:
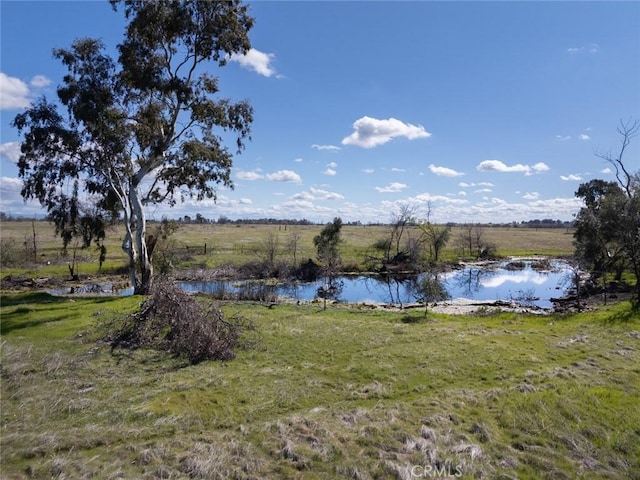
236 244
347 393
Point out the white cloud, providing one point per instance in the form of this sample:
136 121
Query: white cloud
563 138
287 176
10 151
298 160
319 194
571 178
483 190
541 167
478 184
40 81
606 170
368 170
257 61
332 148
398 170
584 137
592 49
10 184
371 132
331 169
531 196
392 188
427 198
444 171
14 93
249 176
12 203
498 166
303 196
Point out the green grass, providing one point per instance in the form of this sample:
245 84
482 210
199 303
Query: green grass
350 393
239 244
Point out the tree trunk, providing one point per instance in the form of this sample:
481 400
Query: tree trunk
142 261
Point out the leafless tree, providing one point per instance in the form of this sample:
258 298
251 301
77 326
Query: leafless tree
292 244
404 216
627 130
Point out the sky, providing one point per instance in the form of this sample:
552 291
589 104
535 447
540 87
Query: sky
465 111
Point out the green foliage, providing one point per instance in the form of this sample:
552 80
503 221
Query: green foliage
606 236
327 243
139 129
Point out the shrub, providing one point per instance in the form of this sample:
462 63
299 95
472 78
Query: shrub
174 321
10 253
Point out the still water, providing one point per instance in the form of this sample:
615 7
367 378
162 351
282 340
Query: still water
524 284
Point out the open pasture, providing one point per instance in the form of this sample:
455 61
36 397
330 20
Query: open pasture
236 244
347 393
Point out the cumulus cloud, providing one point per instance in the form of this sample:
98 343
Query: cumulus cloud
331 148
14 93
12 203
584 137
10 151
249 175
571 178
531 196
540 167
444 171
331 169
371 132
392 188
317 194
287 176
398 170
257 61
368 170
498 166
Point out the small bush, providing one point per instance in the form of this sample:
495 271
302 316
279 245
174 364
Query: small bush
174 321
10 253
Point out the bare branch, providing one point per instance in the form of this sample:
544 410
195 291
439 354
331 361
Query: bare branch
627 130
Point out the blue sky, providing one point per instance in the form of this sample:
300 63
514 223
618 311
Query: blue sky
482 111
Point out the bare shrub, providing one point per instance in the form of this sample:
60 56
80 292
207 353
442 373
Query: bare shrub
174 321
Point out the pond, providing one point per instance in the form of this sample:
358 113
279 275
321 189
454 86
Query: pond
525 282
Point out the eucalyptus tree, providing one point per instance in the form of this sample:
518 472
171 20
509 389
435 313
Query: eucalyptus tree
145 127
607 232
